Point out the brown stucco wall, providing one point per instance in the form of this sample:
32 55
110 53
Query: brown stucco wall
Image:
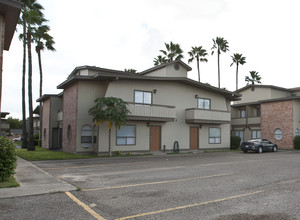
70 98
278 115
46 123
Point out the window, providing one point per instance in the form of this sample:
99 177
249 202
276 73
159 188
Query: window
214 135
240 134
297 132
126 135
258 111
278 134
86 136
45 134
255 134
243 113
203 103
142 97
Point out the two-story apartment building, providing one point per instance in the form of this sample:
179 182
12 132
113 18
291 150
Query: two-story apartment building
165 106
269 112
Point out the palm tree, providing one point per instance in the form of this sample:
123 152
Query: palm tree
31 16
159 60
173 52
43 40
238 59
221 45
197 53
254 78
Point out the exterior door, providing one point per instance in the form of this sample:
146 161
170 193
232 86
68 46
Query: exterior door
155 138
194 138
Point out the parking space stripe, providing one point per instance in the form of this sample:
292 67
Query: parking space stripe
190 206
88 166
160 182
88 209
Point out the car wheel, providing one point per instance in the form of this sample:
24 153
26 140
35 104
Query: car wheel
245 151
275 149
260 150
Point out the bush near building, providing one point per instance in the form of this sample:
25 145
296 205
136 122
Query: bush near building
297 142
235 142
8 158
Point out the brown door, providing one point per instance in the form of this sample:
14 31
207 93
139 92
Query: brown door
194 138
155 136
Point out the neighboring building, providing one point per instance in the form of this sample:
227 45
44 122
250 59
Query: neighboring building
9 15
165 106
4 126
269 112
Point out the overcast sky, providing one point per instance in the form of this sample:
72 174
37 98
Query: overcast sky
118 34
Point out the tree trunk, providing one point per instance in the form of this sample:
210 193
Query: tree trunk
41 91
237 77
109 142
31 146
219 68
24 131
198 69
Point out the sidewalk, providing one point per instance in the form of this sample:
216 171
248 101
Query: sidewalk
34 181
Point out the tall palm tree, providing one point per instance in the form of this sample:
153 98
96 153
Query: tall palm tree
172 52
159 60
254 77
197 53
221 45
31 16
43 40
238 59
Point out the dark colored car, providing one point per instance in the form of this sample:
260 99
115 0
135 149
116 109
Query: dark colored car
258 145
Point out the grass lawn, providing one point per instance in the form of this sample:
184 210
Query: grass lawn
10 182
44 154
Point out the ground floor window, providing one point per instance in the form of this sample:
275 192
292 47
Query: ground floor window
255 134
126 135
240 134
214 135
88 136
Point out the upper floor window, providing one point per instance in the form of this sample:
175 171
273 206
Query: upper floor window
142 97
243 113
258 111
203 103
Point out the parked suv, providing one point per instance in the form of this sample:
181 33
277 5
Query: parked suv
258 145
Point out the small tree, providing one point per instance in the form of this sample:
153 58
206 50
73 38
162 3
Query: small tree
235 142
297 142
112 111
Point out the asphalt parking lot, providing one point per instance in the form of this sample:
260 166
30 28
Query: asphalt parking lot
219 186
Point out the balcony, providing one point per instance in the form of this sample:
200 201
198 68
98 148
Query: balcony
146 112
194 115
245 121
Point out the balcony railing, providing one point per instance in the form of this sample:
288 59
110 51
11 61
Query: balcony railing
245 121
146 112
203 116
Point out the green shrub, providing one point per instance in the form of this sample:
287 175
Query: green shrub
118 153
297 142
8 158
235 142
36 136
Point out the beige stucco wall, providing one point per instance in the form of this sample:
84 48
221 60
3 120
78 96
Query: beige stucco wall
170 71
88 91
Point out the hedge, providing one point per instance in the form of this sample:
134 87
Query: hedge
8 158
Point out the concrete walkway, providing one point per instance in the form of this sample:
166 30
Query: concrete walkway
34 181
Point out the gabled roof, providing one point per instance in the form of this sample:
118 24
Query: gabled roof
10 10
187 67
263 86
111 75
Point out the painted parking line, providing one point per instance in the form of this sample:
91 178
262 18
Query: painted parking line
190 206
160 182
88 166
86 208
